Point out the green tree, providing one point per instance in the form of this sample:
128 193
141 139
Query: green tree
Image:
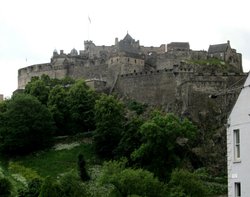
58 106
5 187
81 101
139 108
184 183
38 88
131 182
109 118
130 139
165 142
26 125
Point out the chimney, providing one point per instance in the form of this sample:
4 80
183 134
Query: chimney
61 52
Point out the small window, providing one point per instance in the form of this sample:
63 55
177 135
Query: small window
237 188
237 144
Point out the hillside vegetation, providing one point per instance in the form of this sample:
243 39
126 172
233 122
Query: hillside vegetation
60 138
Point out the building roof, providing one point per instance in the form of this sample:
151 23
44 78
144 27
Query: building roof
128 38
128 44
180 44
217 48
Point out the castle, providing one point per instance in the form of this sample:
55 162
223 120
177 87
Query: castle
174 77
166 75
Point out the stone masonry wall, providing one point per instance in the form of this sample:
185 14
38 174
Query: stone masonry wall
170 88
156 87
25 74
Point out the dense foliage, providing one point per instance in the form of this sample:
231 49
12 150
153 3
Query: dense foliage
154 151
58 107
5 187
109 118
130 138
81 102
165 143
26 125
184 183
128 181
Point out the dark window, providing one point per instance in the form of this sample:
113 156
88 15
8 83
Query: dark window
237 190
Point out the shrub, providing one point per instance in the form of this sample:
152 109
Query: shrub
131 182
5 187
33 189
72 186
184 183
50 188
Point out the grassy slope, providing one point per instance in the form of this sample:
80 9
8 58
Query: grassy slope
50 162
55 162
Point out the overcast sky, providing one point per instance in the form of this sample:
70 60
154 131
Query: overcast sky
31 29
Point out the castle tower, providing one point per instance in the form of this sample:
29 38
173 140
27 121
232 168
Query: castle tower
55 53
128 44
73 52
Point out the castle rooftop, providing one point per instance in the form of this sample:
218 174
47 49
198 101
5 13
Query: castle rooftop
217 48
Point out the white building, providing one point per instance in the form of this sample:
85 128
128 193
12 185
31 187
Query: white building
238 145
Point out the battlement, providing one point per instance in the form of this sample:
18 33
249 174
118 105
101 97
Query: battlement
188 71
35 68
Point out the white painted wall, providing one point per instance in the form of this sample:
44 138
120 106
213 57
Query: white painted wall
240 119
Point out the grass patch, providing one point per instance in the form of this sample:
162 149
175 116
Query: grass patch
210 61
55 162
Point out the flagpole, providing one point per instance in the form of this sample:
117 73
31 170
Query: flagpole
89 22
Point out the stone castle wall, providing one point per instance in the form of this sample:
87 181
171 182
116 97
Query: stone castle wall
148 87
25 74
146 50
62 71
183 92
